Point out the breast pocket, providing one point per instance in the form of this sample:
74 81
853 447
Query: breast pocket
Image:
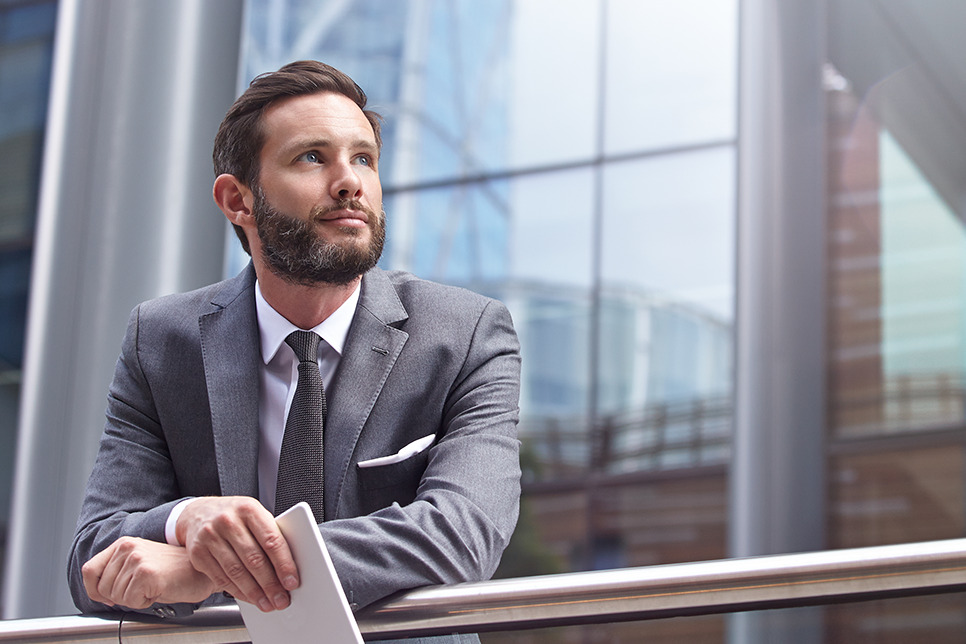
394 483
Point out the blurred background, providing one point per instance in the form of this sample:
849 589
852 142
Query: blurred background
730 234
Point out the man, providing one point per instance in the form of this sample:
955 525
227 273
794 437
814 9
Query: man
179 507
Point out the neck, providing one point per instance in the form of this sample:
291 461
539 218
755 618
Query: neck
304 306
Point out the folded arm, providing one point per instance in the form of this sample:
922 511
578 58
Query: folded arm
455 529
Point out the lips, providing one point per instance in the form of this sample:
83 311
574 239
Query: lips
345 214
345 210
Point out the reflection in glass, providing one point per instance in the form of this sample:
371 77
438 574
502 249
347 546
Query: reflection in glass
897 300
923 297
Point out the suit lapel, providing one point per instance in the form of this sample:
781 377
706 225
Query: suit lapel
231 351
371 350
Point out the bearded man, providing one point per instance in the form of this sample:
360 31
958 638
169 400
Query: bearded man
412 466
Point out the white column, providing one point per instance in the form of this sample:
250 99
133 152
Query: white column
778 484
138 89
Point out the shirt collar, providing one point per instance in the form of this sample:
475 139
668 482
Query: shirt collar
273 328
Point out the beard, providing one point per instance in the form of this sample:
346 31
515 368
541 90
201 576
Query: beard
297 253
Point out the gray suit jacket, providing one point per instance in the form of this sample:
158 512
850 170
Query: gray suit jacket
420 358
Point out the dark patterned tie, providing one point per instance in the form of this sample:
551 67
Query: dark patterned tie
300 460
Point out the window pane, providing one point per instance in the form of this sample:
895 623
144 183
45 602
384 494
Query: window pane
554 81
553 228
668 229
671 73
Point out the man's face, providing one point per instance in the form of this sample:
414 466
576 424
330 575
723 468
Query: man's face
318 203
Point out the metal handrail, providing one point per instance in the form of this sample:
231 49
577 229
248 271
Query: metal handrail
728 585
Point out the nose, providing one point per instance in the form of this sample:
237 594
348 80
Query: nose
346 184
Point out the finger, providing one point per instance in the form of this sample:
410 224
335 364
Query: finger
228 539
136 591
126 590
221 544
119 583
108 584
93 572
204 561
280 574
273 544
225 561
266 554
252 571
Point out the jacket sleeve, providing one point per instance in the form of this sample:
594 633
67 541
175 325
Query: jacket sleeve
132 487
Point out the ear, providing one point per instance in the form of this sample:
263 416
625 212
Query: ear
234 198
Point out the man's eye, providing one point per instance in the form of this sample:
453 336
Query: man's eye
364 160
312 157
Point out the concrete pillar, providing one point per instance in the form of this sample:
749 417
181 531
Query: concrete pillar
778 489
138 89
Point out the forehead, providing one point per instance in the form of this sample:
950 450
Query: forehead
326 116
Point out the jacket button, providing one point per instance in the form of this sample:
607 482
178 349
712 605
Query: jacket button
164 611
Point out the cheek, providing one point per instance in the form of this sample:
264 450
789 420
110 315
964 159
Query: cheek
370 178
374 190
297 197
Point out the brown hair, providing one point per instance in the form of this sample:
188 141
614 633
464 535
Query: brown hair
240 138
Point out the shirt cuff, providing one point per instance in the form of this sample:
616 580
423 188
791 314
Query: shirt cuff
170 532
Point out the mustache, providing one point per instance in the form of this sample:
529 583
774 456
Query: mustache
343 204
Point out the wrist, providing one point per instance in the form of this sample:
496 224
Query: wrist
174 530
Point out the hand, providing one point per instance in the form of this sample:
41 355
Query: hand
235 542
136 573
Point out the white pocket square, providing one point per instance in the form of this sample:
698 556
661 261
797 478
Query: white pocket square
408 451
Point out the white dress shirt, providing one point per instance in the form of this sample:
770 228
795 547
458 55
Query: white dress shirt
279 375
277 379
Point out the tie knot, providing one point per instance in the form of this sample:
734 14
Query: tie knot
305 344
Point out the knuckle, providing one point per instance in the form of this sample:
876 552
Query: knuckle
247 509
255 560
202 538
235 571
220 579
125 544
197 554
274 542
220 522
208 531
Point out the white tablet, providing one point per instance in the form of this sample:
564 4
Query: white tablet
319 610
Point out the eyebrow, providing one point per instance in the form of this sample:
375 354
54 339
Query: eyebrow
306 144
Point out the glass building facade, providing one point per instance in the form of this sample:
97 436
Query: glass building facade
595 195
581 160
